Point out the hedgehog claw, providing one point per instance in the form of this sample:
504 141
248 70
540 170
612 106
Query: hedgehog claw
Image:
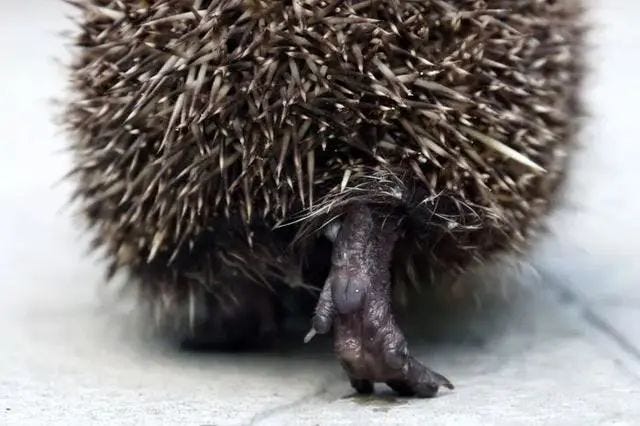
310 335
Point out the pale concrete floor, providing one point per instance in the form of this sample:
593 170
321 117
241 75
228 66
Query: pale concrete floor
571 354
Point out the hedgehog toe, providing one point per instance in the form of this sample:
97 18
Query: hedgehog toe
418 380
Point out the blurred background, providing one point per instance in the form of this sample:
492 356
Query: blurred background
569 353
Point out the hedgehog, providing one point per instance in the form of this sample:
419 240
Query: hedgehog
231 153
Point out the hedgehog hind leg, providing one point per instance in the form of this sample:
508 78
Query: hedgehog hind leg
235 314
356 302
240 316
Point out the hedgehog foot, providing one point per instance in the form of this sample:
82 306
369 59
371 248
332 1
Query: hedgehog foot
242 317
356 302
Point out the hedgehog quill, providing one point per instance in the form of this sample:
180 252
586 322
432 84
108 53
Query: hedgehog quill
229 151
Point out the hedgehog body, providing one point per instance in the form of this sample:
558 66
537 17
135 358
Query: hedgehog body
216 140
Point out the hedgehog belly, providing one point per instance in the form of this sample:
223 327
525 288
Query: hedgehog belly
202 127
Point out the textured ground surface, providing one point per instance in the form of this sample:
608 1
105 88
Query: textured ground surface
570 356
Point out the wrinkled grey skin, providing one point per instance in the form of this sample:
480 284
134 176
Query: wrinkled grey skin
356 302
